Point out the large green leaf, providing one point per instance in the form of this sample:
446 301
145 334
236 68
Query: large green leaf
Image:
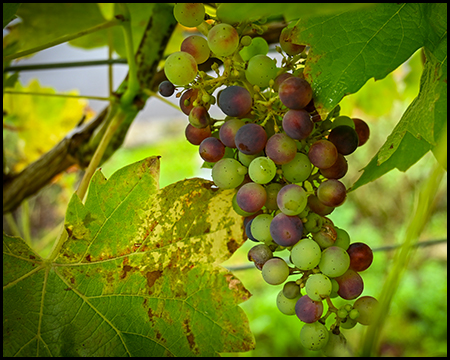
137 276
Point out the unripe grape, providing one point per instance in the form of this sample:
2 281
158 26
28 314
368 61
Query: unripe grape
275 271
180 68
223 39
314 336
189 14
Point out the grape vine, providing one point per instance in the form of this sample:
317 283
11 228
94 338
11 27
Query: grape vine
285 161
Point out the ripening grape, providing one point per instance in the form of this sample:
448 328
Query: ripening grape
323 154
318 287
334 261
189 14
306 254
187 100
286 305
361 256
326 236
228 173
351 285
337 170
197 46
286 230
251 197
180 68
344 138
366 306
228 130
297 124
235 101
298 169
362 129
258 46
292 199
211 149
262 170
275 271
223 39
332 193
308 310
260 227
251 139
259 254
295 93
260 70
286 43
241 212
318 207
279 79
281 148
199 117
195 135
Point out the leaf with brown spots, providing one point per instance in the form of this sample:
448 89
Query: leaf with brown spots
143 270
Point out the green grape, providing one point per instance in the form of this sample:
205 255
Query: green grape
275 271
258 46
335 288
272 190
189 14
318 287
292 199
354 314
260 70
262 170
334 261
291 290
246 159
298 169
223 39
348 323
314 336
366 306
342 120
180 68
342 238
336 346
305 254
286 305
260 227
313 222
228 173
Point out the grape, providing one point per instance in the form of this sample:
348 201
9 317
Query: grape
251 139
336 346
248 231
342 120
362 129
318 207
342 240
286 305
262 170
292 199
308 310
260 227
241 212
314 336
199 117
187 100
344 138
361 256
318 287
326 236
259 254
223 39
334 262
211 149
291 290
332 193
286 230
180 68
337 170
306 254
195 135
313 223
189 14
227 132
166 88
228 173
297 124
247 159
348 323
197 46
258 46
279 79
287 45
251 197
281 148
275 271
260 70
295 93
366 306
351 285
323 154
298 169
272 192
335 288
235 101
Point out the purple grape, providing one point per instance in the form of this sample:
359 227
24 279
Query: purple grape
195 135
286 230
250 139
337 170
323 154
251 197
295 93
187 100
351 285
308 310
235 101
228 131
361 256
362 129
211 149
280 148
248 231
166 88
344 138
298 124
331 193
259 254
199 117
318 207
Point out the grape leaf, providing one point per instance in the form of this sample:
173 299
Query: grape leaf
137 276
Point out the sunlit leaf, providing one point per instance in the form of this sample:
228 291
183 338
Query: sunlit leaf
138 275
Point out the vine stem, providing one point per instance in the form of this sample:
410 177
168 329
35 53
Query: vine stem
58 95
63 39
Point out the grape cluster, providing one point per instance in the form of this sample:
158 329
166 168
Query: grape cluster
285 161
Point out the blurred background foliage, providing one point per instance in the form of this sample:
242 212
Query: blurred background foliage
376 214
